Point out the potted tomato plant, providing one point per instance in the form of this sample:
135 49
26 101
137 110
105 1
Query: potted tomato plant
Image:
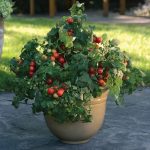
69 76
5 11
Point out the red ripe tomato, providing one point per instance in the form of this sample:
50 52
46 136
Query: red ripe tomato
61 60
50 91
101 82
60 92
100 71
52 58
70 20
32 68
98 40
49 81
92 70
32 63
56 55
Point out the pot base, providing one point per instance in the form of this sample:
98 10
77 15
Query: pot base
74 142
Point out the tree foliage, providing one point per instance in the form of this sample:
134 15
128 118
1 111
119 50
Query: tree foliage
6 8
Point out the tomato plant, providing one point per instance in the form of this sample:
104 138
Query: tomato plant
71 66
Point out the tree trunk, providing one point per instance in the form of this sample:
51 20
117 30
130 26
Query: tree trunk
1 35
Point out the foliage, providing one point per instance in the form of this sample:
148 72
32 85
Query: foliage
71 66
6 8
143 10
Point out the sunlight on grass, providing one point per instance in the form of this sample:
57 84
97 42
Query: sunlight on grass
134 39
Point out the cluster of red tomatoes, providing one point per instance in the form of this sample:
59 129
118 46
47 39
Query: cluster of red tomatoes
101 73
54 91
70 20
57 57
32 68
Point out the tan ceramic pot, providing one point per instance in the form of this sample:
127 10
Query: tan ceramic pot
79 132
1 35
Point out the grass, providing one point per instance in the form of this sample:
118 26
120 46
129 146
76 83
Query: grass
134 39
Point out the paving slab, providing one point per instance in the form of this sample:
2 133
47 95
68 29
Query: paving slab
125 128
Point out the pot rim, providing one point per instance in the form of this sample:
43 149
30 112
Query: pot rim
100 99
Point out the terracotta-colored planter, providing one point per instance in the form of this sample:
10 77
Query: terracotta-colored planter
79 132
1 35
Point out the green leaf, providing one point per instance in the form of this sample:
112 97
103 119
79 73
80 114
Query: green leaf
85 81
53 31
77 9
115 84
67 40
104 37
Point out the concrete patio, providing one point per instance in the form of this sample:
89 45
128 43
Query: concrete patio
125 128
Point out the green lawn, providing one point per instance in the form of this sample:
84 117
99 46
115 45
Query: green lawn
133 38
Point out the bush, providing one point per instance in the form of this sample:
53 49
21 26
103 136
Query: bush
6 8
